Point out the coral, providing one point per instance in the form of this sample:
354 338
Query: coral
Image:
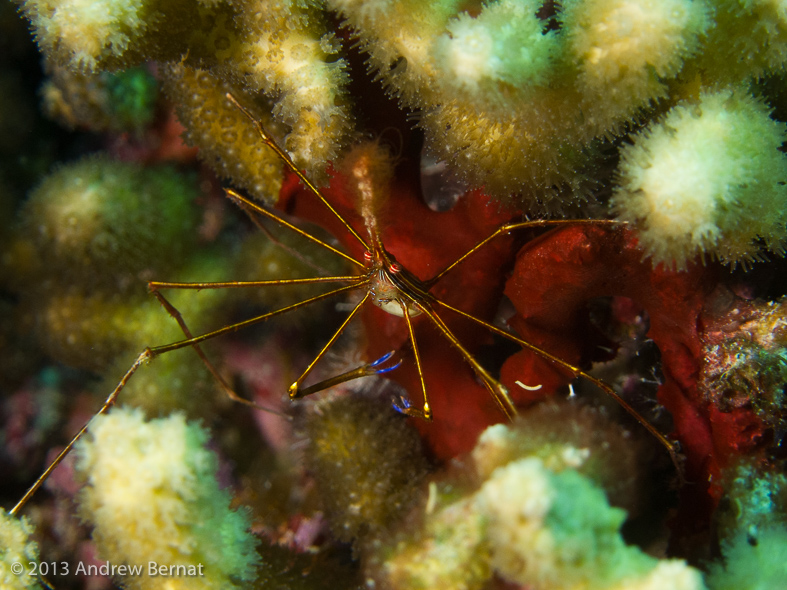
152 496
82 35
497 67
748 40
755 498
113 215
557 531
222 132
17 548
449 550
280 48
529 524
367 464
698 181
757 565
568 435
119 101
626 50
513 117
501 48
101 225
524 107
753 528
283 49
744 364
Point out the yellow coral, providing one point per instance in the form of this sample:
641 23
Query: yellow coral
531 525
225 136
85 29
748 40
514 105
283 50
17 549
626 48
557 531
707 180
100 213
152 496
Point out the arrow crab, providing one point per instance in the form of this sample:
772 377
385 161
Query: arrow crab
383 282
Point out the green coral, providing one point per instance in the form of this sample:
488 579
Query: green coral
108 101
752 524
502 49
126 219
755 498
529 524
754 564
569 436
132 96
152 495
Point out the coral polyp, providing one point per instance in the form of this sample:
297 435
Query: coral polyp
157 479
698 181
614 232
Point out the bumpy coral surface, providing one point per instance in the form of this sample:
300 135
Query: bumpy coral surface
752 528
532 524
699 181
367 464
19 555
427 126
152 496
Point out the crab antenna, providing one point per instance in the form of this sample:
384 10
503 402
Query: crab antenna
271 143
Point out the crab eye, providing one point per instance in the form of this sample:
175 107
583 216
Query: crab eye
395 267
367 256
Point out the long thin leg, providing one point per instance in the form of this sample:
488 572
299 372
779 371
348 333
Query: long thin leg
269 141
248 205
156 285
576 372
511 227
149 354
250 213
497 389
277 242
426 414
293 390
157 350
377 367
108 403
178 317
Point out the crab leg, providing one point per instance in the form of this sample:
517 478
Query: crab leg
293 389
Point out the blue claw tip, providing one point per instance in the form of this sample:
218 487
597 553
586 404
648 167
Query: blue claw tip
386 369
405 405
382 359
